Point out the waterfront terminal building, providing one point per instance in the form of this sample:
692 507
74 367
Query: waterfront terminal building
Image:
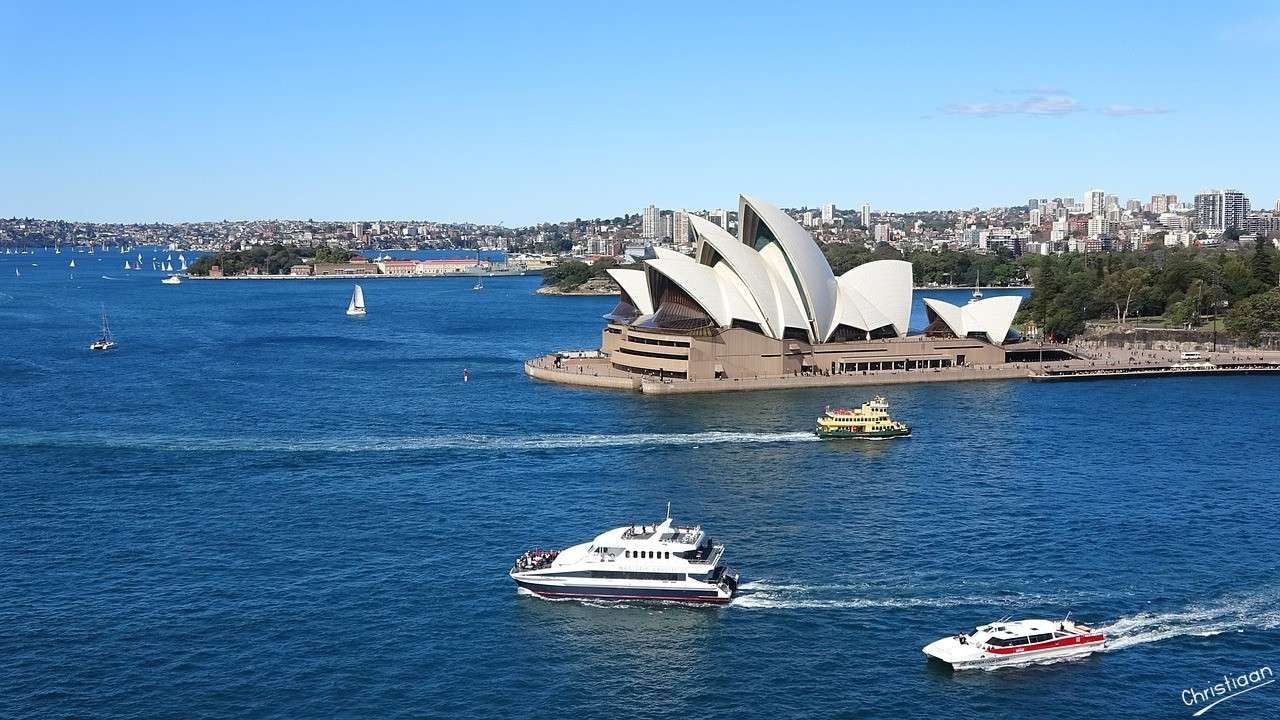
766 304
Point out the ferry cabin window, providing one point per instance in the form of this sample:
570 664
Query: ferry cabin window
1041 638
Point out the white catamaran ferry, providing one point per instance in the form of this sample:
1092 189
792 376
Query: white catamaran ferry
1016 642
662 561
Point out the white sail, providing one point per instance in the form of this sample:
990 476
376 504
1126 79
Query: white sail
182 259
73 264
126 264
168 267
356 306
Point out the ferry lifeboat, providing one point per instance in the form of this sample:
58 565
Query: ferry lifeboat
661 561
1016 642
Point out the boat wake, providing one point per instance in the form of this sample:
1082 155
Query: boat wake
1236 613
516 443
762 594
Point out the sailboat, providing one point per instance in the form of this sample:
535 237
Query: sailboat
104 341
168 267
478 286
356 306
57 250
126 265
182 259
977 289
73 263
16 272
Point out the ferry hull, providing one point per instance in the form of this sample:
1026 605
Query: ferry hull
848 435
599 592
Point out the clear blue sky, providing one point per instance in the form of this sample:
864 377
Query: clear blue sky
546 111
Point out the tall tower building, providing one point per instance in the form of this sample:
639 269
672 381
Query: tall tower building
1095 202
866 215
649 226
680 227
828 213
1159 204
1209 210
1234 207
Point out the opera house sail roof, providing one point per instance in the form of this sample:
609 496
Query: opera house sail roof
773 279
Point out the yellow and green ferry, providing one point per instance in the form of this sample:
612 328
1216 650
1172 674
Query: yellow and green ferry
869 422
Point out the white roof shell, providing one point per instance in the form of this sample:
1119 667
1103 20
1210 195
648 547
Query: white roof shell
723 301
634 284
774 301
992 316
887 285
787 284
817 286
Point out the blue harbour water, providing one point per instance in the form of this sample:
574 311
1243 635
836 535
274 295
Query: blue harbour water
258 507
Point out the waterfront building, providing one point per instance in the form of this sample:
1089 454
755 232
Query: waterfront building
765 303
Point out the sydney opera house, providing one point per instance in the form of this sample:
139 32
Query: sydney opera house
765 303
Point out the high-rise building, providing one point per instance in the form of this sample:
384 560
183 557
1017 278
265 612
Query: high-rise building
1235 206
1099 225
665 231
1159 204
720 217
1095 202
828 213
680 227
1033 204
1133 206
1035 217
1209 210
649 225
1221 210
807 218
882 232
866 215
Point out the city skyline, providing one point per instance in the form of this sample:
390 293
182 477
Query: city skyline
516 115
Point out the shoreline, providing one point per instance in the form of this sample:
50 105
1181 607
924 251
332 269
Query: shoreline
364 276
597 372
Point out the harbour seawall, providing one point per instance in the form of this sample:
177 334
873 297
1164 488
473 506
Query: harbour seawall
597 372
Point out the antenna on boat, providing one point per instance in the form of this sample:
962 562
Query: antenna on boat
668 509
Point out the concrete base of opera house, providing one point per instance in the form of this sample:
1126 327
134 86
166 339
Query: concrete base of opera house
596 371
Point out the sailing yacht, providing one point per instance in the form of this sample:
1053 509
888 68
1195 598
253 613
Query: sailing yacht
104 341
356 306
977 289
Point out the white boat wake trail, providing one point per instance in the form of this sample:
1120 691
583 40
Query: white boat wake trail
448 441
1234 613
1257 610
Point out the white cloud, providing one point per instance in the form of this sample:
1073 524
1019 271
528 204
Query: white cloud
1047 102
1130 110
1040 104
